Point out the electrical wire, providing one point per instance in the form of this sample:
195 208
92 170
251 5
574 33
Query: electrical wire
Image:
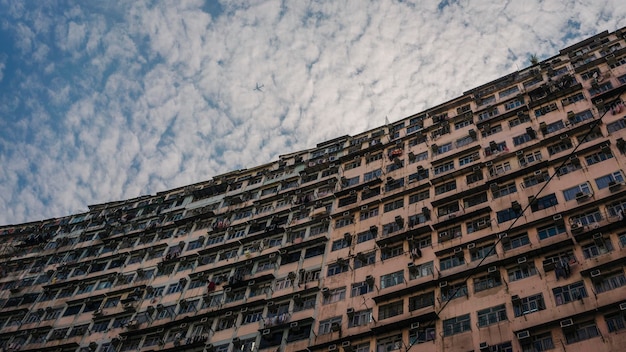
474 270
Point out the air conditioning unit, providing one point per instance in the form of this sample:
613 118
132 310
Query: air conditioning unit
622 306
346 213
492 269
244 309
595 273
228 314
515 298
332 347
519 153
369 279
521 260
443 284
557 217
251 283
346 344
364 207
523 335
458 250
128 306
471 245
266 332
350 311
483 346
502 235
566 322
293 325
325 292
204 320
415 326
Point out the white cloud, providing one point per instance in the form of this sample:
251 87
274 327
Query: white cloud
118 100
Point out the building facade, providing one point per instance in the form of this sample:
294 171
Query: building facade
492 222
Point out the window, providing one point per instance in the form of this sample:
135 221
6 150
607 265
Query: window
482 252
491 315
447 209
361 288
573 99
452 261
390 252
365 236
468 159
307 302
370 213
520 119
508 91
536 178
615 321
445 167
522 271
508 214
340 244
592 216
600 88
344 222
396 204
538 343
616 126
446 187
74 309
335 295
174 288
421 270
609 282
610 179
463 123
327 325
575 192
359 318
443 148
516 241
422 301
418 157
581 332
419 196
503 190
521 139
390 310
487 114
387 344
514 104
475 200
546 110
364 259
598 157
456 325
486 132
392 279
486 282
529 305
337 268
451 292
372 175
550 230
597 247
543 202
569 293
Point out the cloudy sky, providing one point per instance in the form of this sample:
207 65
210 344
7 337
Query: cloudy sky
107 100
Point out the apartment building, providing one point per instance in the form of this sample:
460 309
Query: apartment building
492 222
